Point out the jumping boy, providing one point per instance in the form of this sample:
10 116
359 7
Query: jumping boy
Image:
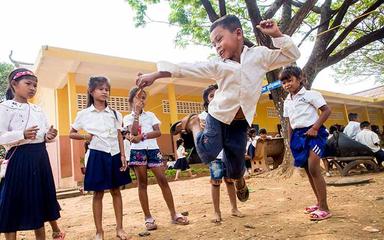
239 73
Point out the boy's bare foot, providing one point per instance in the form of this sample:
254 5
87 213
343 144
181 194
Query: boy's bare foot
237 213
217 218
121 234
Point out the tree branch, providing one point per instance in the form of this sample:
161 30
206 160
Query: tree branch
339 17
314 9
300 16
271 11
286 16
351 26
210 11
254 14
359 43
223 10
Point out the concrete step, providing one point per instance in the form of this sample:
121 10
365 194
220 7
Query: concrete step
68 194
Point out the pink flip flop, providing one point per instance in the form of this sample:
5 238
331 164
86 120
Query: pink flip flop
319 215
311 209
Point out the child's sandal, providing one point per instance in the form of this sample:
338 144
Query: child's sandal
242 192
311 209
319 215
182 125
150 224
58 235
180 219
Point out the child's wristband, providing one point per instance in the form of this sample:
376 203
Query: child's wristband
144 137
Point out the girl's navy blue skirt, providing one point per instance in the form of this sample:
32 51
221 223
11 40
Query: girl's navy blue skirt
27 193
181 164
301 145
103 172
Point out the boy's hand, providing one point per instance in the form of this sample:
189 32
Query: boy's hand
145 80
311 132
270 28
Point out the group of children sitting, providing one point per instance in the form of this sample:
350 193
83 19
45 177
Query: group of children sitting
220 134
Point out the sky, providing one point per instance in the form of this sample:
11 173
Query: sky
107 27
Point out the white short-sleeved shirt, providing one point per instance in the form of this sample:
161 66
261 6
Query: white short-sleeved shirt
180 152
368 138
239 84
14 120
127 148
103 125
203 116
301 109
146 122
352 129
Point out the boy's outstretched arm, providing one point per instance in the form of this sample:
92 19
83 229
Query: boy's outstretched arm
325 112
287 51
145 80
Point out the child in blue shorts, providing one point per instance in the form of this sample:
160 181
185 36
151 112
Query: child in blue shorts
217 168
308 135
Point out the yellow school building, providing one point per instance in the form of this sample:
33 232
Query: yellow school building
63 75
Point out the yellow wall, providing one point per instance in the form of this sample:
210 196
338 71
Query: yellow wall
63 114
341 121
262 117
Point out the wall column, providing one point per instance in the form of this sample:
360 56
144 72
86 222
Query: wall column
172 102
346 113
72 111
367 113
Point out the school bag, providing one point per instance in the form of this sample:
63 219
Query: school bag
340 145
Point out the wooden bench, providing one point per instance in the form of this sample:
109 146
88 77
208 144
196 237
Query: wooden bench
345 164
268 149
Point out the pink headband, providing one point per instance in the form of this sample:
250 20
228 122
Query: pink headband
21 74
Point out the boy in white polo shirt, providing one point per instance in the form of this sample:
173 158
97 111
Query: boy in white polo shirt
308 135
239 73
367 137
353 126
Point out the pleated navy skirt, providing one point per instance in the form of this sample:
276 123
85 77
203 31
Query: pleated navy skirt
28 195
181 164
103 172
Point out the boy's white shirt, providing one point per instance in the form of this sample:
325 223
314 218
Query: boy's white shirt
103 125
368 138
146 121
352 129
301 109
239 84
13 122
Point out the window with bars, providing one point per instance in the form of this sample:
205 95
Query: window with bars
272 113
118 103
184 107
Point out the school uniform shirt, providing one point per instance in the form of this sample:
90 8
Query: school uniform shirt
203 116
180 152
127 148
239 84
14 120
103 125
352 129
146 122
369 138
301 109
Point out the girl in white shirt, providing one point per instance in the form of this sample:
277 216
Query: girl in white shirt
181 162
27 194
145 153
308 135
106 167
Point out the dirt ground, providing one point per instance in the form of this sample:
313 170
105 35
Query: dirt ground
274 211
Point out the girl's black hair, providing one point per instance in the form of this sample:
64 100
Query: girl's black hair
10 94
93 83
179 142
206 94
292 71
132 95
